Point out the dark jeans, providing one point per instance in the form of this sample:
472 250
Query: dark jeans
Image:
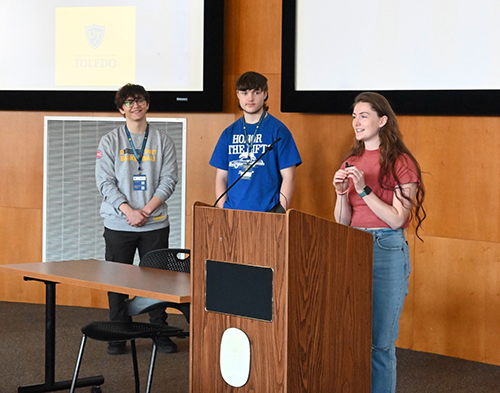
121 247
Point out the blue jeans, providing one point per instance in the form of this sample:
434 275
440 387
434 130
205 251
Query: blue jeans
391 269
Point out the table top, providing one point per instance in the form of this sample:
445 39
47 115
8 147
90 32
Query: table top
111 276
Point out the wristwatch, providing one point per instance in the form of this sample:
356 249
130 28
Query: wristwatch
366 191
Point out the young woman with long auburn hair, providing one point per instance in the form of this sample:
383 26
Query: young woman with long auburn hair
379 190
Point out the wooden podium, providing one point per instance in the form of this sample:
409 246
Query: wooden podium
319 339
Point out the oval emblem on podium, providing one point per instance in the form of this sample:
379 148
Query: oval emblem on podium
235 357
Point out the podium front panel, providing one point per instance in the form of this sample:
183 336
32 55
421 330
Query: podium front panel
319 339
248 239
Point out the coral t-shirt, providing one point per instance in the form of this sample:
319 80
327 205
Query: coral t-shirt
369 163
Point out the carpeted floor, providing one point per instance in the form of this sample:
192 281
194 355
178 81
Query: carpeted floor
22 358
22 352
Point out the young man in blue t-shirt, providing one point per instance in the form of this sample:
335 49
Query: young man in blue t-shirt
268 186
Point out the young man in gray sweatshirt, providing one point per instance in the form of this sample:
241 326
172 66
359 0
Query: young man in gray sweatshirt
136 172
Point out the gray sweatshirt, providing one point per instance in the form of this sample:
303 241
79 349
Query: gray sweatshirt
115 167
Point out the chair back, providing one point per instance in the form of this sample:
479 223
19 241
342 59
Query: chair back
175 259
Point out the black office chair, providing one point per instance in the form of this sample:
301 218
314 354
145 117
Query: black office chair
167 259
175 259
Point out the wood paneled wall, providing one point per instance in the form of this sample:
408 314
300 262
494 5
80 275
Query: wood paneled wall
21 199
453 307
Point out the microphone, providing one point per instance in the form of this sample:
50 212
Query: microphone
268 148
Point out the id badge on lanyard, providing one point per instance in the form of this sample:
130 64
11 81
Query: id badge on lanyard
139 182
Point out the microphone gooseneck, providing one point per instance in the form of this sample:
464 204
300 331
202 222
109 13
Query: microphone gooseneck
268 148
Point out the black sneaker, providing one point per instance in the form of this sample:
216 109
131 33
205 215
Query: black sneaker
117 347
166 345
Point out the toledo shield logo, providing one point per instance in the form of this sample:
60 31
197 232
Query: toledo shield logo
95 35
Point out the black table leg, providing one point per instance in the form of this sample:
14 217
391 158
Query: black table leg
50 385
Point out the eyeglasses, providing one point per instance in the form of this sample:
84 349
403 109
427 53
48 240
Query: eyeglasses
140 101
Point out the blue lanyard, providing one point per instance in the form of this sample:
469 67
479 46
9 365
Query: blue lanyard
138 156
250 142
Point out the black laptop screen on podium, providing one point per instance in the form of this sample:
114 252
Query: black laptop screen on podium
240 290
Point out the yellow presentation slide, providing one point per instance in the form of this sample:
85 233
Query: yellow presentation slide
91 48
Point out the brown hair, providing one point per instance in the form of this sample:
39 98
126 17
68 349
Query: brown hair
391 148
130 90
253 81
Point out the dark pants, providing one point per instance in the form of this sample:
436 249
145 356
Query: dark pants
121 247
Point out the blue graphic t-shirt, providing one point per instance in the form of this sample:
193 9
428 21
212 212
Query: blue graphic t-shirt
259 189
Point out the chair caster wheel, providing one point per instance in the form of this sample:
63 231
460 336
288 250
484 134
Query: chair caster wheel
96 389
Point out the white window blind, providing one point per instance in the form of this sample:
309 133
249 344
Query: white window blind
72 225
